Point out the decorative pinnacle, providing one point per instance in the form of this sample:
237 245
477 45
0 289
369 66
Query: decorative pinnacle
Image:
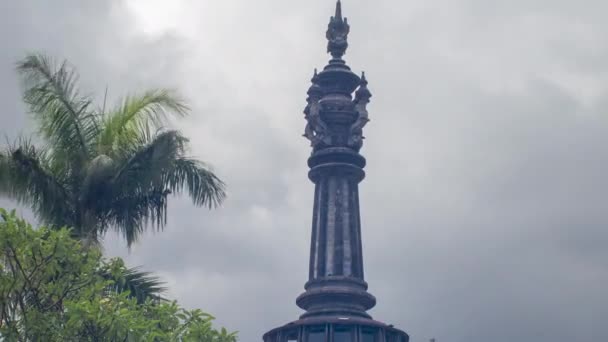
337 33
363 94
314 87
339 10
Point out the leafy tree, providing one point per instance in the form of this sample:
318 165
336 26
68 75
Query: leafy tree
51 290
99 169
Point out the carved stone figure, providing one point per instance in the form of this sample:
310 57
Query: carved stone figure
316 130
362 96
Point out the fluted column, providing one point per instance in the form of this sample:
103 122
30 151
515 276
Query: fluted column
336 234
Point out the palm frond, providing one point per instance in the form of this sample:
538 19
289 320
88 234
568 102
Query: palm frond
25 176
157 169
204 187
161 164
140 284
151 110
62 114
146 163
133 212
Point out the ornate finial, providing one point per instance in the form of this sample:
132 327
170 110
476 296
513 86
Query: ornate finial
363 94
315 90
337 33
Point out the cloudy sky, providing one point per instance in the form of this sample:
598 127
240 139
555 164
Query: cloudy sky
485 214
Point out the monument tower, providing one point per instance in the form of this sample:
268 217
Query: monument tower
336 300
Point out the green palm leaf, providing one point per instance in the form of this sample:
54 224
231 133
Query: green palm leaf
26 176
203 186
62 114
140 284
123 126
158 168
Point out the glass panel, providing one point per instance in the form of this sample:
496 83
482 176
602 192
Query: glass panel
393 337
369 336
316 336
343 335
291 335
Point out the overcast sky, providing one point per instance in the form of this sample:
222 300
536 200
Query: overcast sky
485 214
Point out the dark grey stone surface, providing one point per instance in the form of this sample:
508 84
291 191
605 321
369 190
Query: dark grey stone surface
336 298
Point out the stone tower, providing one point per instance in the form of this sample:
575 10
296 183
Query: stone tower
336 300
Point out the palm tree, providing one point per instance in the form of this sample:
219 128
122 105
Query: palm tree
98 170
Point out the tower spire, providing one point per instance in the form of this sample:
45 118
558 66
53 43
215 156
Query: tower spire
339 10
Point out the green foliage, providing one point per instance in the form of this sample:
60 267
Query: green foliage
98 170
52 289
139 284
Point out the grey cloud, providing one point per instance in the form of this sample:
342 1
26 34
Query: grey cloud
484 207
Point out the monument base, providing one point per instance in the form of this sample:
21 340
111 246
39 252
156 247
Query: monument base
336 329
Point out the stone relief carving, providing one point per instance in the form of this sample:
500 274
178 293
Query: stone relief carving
318 132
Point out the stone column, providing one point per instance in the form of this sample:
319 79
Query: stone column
335 120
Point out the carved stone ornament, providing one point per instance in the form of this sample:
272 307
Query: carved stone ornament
316 130
337 33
